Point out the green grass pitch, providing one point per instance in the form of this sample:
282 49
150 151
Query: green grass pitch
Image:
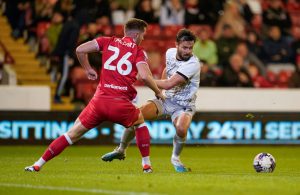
215 170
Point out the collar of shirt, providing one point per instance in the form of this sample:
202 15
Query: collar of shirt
128 39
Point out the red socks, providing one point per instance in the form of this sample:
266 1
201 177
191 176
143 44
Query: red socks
56 147
143 139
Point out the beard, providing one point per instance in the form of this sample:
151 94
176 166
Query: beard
185 57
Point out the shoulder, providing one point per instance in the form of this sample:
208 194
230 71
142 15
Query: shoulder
194 60
141 51
194 63
141 54
171 52
190 68
140 48
103 40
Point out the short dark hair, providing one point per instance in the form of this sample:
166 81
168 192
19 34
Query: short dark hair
135 24
185 35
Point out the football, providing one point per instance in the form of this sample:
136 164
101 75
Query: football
264 163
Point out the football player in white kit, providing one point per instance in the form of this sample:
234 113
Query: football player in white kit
180 80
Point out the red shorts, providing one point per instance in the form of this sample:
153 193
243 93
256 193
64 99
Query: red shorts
115 110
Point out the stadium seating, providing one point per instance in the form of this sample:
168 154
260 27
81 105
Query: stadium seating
150 45
293 6
272 77
197 28
83 87
295 17
118 30
283 78
153 31
157 39
169 32
106 30
279 79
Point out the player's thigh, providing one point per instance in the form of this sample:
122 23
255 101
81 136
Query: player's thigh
140 119
182 123
94 113
149 111
124 112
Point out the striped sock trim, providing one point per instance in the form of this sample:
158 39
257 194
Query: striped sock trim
68 139
141 125
179 139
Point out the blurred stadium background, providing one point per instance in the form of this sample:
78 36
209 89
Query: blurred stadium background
248 95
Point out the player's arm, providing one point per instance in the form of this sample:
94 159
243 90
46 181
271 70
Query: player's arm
146 76
175 80
82 55
164 74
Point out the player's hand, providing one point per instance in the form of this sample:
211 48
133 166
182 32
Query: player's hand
160 95
91 74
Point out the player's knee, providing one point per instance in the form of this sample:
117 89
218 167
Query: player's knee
140 119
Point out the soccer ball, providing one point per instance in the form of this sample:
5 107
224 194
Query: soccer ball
264 163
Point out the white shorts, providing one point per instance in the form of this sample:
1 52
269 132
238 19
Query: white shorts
172 109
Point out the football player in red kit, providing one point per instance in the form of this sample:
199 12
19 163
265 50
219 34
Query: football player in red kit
122 59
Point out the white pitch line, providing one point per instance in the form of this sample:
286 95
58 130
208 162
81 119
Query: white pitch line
73 189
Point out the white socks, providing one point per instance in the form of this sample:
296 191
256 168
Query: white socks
40 162
178 144
146 161
127 137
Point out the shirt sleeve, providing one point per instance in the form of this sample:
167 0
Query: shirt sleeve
101 41
141 57
189 70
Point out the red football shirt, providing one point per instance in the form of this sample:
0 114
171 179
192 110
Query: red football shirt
120 57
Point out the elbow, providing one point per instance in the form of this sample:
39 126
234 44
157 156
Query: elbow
79 49
144 78
165 86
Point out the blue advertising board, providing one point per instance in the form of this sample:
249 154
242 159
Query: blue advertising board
206 128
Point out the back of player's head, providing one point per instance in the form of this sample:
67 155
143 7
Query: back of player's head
136 25
185 35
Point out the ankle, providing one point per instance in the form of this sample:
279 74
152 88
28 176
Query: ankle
146 161
121 149
39 163
175 157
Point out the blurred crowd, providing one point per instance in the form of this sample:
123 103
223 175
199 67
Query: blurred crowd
241 43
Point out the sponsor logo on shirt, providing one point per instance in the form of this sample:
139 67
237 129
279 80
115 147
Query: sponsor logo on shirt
112 86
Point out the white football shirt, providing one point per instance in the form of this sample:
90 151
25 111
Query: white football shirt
184 95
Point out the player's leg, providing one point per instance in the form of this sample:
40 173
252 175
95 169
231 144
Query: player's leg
127 136
87 119
149 112
143 142
120 151
181 123
59 144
